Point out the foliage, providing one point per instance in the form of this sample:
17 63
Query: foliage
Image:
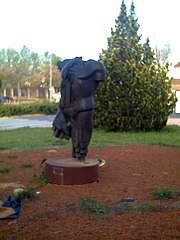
147 206
122 207
137 94
23 194
27 165
163 193
5 170
13 156
43 107
91 205
27 68
129 207
41 178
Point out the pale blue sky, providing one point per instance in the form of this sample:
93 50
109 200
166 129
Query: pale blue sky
71 28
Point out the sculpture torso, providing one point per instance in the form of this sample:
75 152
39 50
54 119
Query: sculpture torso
78 86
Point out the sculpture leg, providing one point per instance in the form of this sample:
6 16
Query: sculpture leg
81 134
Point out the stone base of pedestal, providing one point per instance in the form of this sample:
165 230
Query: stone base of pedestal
69 171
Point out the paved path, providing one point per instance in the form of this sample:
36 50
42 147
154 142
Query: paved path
26 121
173 121
46 121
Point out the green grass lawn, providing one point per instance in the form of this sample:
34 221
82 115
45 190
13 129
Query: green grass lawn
42 138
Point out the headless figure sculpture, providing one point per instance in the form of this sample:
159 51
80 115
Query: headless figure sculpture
74 118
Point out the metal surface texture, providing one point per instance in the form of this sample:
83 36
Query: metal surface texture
70 171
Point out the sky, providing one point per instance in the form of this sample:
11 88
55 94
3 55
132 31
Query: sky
80 28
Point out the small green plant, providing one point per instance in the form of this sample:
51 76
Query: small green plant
91 205
27 165
147 206
126 207
121 207
13 156
41 178
22 194
163 193
5 170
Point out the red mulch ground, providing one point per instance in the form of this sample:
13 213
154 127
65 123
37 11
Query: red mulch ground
129 172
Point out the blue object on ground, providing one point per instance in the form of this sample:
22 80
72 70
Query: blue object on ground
14 203
127 200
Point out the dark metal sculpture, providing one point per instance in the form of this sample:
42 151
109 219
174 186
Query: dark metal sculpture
74 118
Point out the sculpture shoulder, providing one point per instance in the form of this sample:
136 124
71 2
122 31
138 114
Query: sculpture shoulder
83 69
93 68
95 64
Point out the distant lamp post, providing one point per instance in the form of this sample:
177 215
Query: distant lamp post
50 80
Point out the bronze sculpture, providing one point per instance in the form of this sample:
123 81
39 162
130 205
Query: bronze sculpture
74 118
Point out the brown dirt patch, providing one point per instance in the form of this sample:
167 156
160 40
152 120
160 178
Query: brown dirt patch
129 172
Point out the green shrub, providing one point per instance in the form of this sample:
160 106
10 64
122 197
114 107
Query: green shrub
91 205
41 178
26 165
163 193
43 107
13 156
5 170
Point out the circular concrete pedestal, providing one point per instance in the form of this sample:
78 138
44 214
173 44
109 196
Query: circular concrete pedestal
70 171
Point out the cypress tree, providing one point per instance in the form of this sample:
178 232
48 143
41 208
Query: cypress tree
137 94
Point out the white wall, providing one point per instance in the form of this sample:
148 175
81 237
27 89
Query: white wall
177 108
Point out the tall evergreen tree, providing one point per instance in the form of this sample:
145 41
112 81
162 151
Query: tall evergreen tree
137 93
